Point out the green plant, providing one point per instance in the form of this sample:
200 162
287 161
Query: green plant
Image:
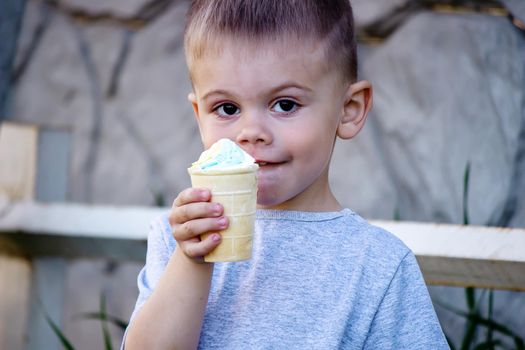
475 321
474 318
100 315
159 199
475 299
56 329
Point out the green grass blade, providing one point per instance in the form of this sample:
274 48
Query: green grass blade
471 327
466 179
485 322
470 295
449 307
520 344
397 214
489 345
158 198
58 332
497 327
450 343
111 319
490 331
468 337
475 319
103 321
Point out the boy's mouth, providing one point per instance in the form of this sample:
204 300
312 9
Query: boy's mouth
263 163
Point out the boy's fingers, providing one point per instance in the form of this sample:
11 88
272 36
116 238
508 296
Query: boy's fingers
192 211
192 195
193 228
196 250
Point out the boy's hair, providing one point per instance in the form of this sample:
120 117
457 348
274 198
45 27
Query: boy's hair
328 21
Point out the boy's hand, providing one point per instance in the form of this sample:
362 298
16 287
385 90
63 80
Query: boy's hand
191 215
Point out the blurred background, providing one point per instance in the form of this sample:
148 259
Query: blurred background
105 84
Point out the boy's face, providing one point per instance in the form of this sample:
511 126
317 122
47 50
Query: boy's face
283 107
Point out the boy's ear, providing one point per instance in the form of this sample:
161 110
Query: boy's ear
355 110
193 100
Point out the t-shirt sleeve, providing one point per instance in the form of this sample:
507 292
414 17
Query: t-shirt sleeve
157 257
406 318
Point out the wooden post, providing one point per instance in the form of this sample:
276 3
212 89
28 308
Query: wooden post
47 295
18 150
49 272
34 165
15 274
18 144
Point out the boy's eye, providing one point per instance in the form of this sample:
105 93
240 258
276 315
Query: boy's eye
284 106
227 110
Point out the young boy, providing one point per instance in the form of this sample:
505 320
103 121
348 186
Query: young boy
278 77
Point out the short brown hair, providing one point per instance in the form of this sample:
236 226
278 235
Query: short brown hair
330 21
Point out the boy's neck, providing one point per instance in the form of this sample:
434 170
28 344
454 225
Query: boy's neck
317 198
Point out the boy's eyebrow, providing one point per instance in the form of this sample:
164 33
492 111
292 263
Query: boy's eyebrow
215 92
284 86
289 85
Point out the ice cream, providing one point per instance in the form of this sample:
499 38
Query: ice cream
231 175
223 156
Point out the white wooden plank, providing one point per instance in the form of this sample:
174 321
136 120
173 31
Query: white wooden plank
457 241
127 222
477 256
473 273
79 220
448 254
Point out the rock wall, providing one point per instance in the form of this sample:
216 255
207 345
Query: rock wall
448 91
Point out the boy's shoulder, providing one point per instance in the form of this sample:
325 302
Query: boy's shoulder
352 230
374 236
375 244
343 234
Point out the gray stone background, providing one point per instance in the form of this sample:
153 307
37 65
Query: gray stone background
449 89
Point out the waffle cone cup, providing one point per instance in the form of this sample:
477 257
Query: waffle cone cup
237 192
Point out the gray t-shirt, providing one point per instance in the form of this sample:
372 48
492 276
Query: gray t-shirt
317 280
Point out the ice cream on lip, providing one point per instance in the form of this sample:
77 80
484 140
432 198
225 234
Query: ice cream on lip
223 156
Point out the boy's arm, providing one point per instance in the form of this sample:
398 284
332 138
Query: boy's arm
171 318
406 318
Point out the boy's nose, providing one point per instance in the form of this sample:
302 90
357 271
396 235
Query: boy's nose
254 130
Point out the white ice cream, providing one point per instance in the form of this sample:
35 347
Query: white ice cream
223 156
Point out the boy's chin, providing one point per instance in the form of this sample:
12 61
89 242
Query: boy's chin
264 203
267 200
